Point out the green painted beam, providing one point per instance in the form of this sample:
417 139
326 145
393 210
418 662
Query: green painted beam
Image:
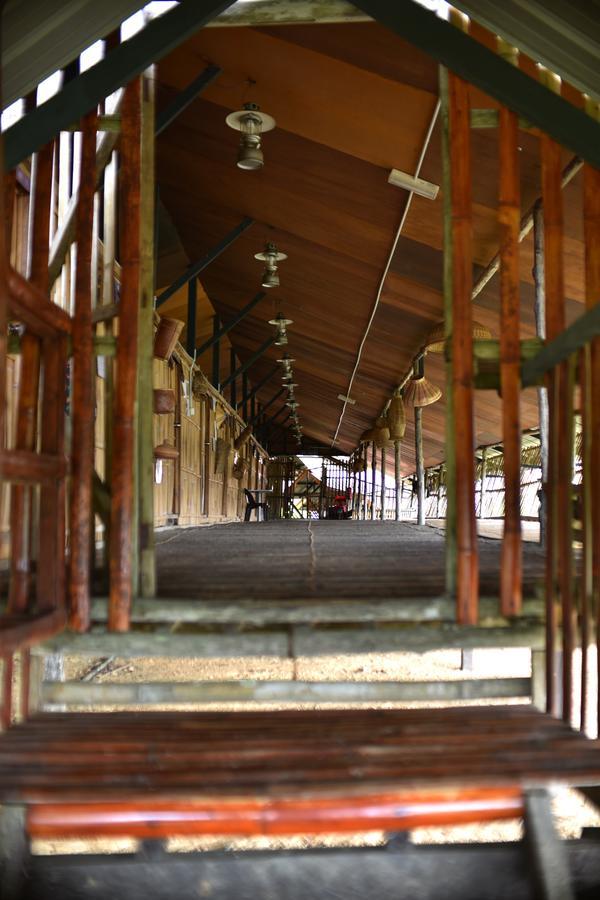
573 338
486 70
119 66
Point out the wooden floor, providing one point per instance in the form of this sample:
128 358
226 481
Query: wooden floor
103 756
318 559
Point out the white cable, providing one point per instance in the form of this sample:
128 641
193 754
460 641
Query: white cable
386 269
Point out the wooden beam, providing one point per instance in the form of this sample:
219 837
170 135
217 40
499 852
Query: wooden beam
573 338
194 270
186 96
120 65
249 362
225 329
478 65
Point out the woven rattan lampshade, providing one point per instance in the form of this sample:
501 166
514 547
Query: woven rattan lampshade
421 392
396 418
436 337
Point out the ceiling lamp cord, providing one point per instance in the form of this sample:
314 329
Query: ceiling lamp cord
386 269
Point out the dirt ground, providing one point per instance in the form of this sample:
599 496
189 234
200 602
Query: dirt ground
572 812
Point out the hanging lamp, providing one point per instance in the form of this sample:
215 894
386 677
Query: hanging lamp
252 124
281 323
271 256
420 391
436 339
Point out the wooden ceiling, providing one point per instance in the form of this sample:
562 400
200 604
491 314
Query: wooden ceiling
351 102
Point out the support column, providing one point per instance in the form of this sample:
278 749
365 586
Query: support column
420 465
147 557
216 356
382 516
398 477
373 474
540 330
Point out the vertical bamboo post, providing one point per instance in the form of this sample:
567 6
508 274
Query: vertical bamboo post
398 478
374 479
509 214
420 466
558 584
591 410
450 530
82 445
540 330
467 588
147 555
124 461
383 462
27 408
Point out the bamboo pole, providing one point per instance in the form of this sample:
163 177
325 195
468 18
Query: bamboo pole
450 530
27 409
560 458
147 557
123 461
82 445
383 461
467 588
398 478
373 476
510 362
591 417
420 465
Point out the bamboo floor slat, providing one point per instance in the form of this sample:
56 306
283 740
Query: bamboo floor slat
97 757
294 560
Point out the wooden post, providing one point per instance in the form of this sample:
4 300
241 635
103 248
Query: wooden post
147 553
450 530
233 388
398 478
540 330
82 465
27 408
420 465
591 419
124 459
373 474
467 587
383 461
509 214
6 692
559 550
216 356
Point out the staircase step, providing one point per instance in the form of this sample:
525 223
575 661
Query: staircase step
93 694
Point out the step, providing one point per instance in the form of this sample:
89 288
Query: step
293 641
94 694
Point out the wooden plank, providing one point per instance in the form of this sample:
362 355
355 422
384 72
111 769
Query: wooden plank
462 351
83 414
32 307
165 643
510 359
123 458
201 692
18 633
31 468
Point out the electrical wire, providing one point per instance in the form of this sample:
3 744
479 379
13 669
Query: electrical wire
424 149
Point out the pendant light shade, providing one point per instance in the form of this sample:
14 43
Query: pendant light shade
271 256
251 123
421 392
436 338
396 418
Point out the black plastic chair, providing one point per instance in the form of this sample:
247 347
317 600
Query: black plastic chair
251 504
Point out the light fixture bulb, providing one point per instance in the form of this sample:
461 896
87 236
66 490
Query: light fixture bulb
281 321
270 278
